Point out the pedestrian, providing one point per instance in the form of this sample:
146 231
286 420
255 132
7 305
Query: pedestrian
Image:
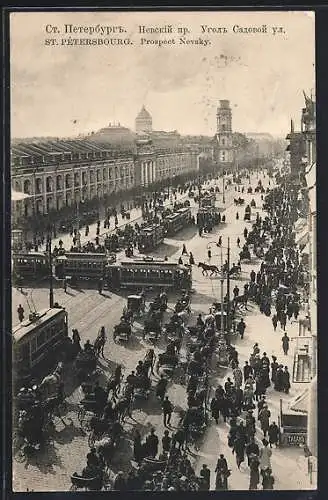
286 380
220 241
152 444
239 449
285 343
264 418
166 442
254 477
215 409
238 242
248 370
137 447
274 434
209 254
274 368
167 411
191 259
65 285
238 377
274 322
267 481
283 319
241 327
237 216
252 449
265 457
205 475
161 387
184 250
20 312
100 286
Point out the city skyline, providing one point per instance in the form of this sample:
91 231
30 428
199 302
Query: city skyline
67 91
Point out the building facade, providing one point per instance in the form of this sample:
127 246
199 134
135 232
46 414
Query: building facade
224 151
59 174
296 149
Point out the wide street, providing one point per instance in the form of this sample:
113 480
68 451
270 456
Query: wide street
88 311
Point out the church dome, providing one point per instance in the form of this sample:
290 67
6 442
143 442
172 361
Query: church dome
143 114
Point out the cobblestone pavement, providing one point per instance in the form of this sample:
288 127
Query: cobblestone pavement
88 311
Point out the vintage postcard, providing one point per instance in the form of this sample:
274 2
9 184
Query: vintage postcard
163 180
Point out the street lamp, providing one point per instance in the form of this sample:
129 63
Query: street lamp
51 286
222 278
223 188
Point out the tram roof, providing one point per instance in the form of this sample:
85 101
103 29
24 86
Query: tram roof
150 263
29 254
28 326
82 255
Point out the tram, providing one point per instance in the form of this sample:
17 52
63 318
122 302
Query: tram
31 265
91 266
150 237
208 200
177 221
37 342
149 273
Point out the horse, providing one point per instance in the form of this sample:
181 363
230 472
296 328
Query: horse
149 361
208 267
100 342
50 385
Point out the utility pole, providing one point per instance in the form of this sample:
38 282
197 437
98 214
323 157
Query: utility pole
223 187
222 297
228 286
51 287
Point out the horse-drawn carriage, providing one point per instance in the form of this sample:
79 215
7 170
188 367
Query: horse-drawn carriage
239 201
82 483
173 332
167 363
136 304
122 331
183 304
152 329
235 271
195 423
85 363
247 216
105 436
245 253
141 387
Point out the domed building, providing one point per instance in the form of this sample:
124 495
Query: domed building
144 121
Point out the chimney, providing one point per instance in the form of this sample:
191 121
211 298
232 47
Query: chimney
291 126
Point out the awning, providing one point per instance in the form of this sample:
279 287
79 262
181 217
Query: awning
300 403
18 195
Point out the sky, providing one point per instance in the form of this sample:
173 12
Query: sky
67 90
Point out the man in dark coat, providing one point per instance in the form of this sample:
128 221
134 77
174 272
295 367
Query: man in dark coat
274 434
286 380
152 444
252 449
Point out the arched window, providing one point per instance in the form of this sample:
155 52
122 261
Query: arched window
38 186
59 182
27 187
77 179
68 181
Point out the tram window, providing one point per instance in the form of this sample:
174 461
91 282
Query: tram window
33 345
23 352
41 338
